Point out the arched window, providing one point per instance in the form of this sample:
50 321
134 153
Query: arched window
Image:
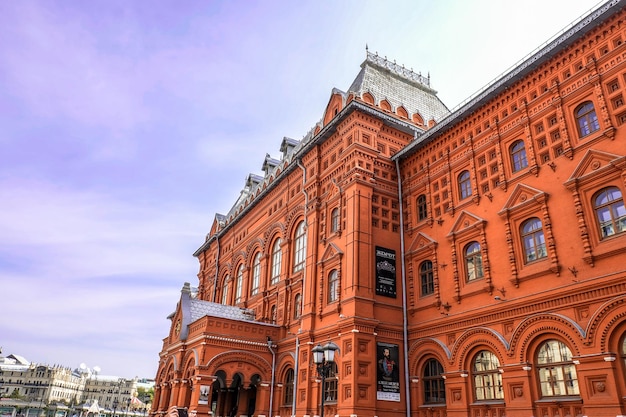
297 306
465 185
277 258
422 208
487 377
334 220
473 261
434 384
273 313
586 119
330 385
239 287
225 290
426 278
622 351
610 212
333 286
288 387
256 274
518 155
557 373
299 254
533 240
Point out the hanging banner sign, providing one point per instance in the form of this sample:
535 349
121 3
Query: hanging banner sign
385 272
388 375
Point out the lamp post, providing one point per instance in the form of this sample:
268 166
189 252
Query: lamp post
324 359
115 404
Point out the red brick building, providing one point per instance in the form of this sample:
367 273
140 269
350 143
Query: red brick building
482 249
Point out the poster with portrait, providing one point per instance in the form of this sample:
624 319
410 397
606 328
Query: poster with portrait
385 272
204 395
388 372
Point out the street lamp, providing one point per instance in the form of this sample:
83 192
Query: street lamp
324 358
115 404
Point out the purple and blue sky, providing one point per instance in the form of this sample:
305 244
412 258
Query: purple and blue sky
126 125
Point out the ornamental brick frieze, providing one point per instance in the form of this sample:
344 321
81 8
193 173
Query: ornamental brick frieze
606 318
474 337
277 228
421 347
236 361
542 323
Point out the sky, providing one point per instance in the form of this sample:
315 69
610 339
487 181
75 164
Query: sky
125 126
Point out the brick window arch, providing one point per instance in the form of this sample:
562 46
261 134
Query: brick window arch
422 208
465 185
473 261
608 205
556 370
518 156
334 220
277 258
487 376
288 387
299 249
256 274
433 383
533 240
586 119
333 286
239 284
426 278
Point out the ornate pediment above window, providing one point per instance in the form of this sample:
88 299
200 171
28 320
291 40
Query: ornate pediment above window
422 243
332 253
466 223
522 197
595 165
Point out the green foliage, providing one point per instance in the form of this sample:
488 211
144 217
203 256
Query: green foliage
16 395
145 395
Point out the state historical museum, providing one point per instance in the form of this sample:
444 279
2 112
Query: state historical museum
467 262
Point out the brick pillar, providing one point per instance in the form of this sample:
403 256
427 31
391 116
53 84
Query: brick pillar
263 401
458 397
517 380
176 385
596 381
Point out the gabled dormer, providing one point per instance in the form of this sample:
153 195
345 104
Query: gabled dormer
287 146
269 164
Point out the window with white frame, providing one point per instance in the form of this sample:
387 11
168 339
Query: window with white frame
518 156
256 274
473 262
533 240
225 290
333 286
586 119
334 220
465 185
487 377
422 208
556 369
299 247
239 287
277 258
610 211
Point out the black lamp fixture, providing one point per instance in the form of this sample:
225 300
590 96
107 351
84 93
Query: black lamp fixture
324 359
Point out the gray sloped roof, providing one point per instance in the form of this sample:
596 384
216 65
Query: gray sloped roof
400 86
200 308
